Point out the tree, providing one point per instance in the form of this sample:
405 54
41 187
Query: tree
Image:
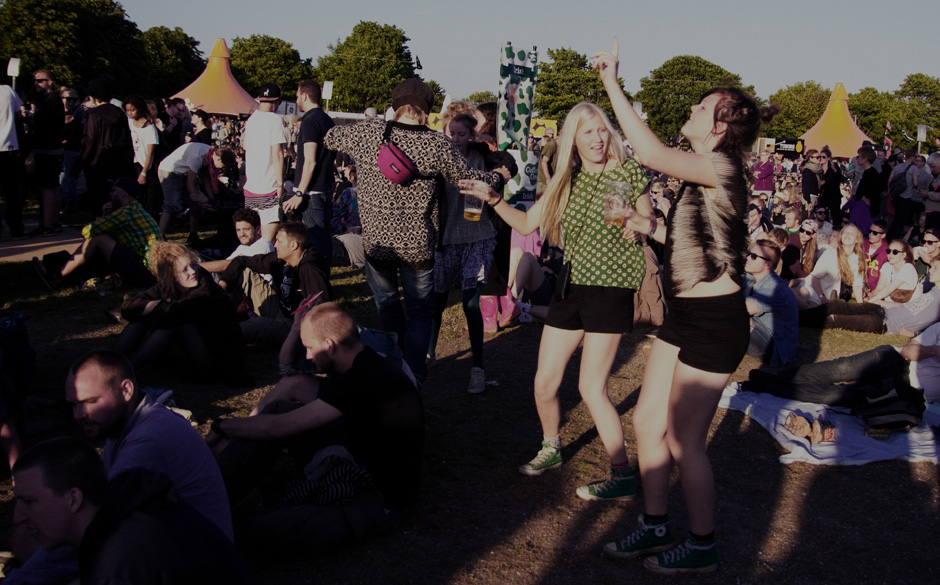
801 105
564 82
439 94
481 97
873 109
261 59
366 66
77 40
669 91
173 60
920 96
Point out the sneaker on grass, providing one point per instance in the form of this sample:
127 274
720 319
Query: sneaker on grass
688 557
645 540
619 486
548 458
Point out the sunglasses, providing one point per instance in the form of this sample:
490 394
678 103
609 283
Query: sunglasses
754 256
874 233
931 242
894 252
807 232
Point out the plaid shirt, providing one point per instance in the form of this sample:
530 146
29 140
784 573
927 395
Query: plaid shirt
130 225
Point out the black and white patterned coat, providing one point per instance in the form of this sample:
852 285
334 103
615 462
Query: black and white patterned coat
400 222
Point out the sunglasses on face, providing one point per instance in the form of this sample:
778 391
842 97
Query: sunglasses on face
874 233
893 252
931 242
807 232
754 256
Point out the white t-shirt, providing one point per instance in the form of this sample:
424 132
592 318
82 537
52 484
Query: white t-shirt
261 246
262 172
907 275
925 373
189 157
142 137
10 104
827 271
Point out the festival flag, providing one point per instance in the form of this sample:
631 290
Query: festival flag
517 71
888 126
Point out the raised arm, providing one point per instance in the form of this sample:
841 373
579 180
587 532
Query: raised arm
654 154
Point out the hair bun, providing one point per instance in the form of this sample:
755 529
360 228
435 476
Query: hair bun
768 112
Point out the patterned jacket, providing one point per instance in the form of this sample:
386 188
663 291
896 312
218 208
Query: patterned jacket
400 223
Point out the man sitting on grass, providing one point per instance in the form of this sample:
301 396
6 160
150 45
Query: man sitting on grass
117 243
366 403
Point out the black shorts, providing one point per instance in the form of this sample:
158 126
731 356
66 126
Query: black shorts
712 333
594 309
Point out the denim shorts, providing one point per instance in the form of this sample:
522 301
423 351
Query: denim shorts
712 333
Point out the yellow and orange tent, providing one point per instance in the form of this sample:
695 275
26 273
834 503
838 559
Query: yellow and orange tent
836 128
216 90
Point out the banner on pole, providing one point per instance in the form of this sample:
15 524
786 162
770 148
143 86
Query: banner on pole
517 72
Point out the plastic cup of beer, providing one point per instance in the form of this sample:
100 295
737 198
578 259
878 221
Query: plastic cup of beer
472 208
617 202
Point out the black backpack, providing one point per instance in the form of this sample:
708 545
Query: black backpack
898 183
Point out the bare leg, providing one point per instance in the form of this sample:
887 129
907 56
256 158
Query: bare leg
650 423
269 230
554 352
103 245
600 349
514 255
692 405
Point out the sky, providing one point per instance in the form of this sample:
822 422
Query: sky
769 44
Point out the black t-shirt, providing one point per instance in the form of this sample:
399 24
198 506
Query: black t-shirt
313 128
49 123
384 419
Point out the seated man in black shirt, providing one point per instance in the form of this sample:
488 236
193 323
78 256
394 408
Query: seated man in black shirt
367 403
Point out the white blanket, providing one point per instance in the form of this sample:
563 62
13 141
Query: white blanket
851 446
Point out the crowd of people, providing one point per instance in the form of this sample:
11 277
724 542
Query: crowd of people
728 253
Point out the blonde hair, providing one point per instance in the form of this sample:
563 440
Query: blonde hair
410 110
453 110
555 198
162 258
845 271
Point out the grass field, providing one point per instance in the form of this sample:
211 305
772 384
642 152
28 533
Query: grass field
480 521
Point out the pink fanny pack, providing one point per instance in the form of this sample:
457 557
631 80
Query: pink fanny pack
395 164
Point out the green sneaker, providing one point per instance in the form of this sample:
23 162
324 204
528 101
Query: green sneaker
619 486
645 540
548 458
688 557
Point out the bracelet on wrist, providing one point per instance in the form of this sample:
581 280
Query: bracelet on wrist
653 226
216 427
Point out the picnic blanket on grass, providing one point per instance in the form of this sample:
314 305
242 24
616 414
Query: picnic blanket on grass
851 446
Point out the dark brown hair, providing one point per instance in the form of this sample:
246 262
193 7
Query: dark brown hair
743 119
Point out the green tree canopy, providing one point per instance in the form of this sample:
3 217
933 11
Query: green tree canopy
261 59
439 94
77 40
173 60
873 109
481 97
564 82
366 66
801 105
670 90
920 96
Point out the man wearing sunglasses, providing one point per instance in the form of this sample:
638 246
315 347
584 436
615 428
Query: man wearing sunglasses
47 130
772 306
876 252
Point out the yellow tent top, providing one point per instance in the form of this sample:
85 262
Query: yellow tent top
216 90
836 128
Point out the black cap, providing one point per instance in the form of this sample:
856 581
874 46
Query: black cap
269 92
413 92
